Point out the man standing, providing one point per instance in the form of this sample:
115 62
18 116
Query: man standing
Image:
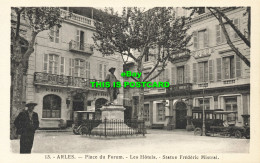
112 91
26 123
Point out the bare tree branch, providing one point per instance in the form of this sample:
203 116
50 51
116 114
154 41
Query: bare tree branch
247 62
239 33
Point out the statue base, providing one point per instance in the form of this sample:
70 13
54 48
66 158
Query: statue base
112 122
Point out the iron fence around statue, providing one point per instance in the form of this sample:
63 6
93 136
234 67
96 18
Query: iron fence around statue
113 128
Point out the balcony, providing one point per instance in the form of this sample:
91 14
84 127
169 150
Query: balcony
41 78
77 18
78 47
179 89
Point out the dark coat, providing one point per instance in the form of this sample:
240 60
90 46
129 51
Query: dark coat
23 125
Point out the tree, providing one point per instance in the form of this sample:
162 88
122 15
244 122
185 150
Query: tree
220 14
136 30
27 23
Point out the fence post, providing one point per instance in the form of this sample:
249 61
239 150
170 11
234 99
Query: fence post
105 127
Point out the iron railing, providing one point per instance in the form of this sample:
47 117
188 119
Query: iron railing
62 80
108 128
80 47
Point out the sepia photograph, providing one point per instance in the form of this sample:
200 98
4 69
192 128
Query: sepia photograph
131 83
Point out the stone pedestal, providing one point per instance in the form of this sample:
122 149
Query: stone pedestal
112 112
112 122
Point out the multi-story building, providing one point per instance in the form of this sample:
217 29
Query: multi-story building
211 72
61 68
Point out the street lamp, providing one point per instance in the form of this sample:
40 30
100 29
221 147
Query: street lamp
204 85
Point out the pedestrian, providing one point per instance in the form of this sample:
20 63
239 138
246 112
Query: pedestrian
26 123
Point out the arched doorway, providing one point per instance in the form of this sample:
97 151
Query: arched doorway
98 104
181 113
78 102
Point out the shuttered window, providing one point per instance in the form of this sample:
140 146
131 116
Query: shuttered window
194 67
200 39
79 68
228 67
220 36
100 71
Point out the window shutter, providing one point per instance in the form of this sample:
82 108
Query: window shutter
71 69
187 73
238 66
219 69
100 71
105 71
78 39
62 65
195 39
194 67
206 38
236 23
206 71
211 77
45 63
173 78
87 70
218 36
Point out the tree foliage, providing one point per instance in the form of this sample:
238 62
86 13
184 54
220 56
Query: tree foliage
136 30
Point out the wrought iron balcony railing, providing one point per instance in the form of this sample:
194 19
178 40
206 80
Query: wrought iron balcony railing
41 78
81 47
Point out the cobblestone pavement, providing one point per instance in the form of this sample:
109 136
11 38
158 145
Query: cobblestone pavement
156 141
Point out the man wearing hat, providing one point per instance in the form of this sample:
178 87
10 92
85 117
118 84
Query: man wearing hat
112 91
26 123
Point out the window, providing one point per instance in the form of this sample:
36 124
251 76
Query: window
206 103
146 112
160 112
51 63
102 71
231 105
164 76
201 10
229 67
180 75
203 71
79 68
54 34
80 39
51 106
200 39
220 36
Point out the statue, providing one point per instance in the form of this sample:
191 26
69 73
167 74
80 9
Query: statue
112 91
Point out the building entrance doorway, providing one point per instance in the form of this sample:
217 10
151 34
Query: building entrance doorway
78 102
181 113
